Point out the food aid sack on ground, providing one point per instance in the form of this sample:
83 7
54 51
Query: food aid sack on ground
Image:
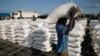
42 39
95 32
10 30
3 29
22 33
76 38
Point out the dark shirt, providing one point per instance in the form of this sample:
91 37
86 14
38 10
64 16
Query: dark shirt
62 21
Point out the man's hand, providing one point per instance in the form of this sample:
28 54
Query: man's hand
72 12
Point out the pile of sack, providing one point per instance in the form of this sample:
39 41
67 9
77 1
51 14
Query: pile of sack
35 24
76 38
10 30
52 31
95 32
16 31
3 29
22 34
41 37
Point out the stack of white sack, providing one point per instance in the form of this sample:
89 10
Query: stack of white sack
94 22
52 31
3 29
76 38
23 34
95 32
51 27
41 38
35 24
17 30
29 21
10 30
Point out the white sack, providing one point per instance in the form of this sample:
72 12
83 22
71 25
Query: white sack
98 32
74 44
43 48
59 12
76 50
42 43
71 53
97 26
76 33
74 39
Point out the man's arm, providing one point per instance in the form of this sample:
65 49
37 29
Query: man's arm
71 24
71 19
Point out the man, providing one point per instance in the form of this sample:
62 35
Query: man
69 10
63 30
